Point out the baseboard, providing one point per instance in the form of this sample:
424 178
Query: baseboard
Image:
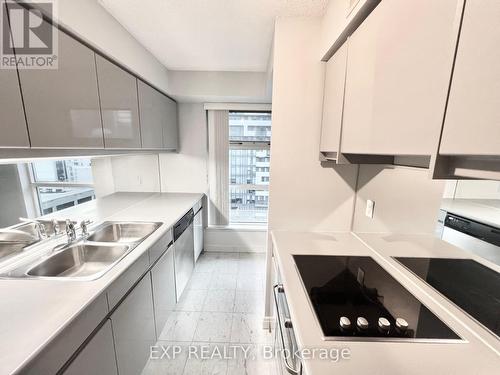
235 240
234 249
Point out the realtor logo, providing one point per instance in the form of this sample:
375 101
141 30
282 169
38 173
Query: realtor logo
28 40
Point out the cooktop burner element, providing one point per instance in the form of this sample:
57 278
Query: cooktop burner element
468 284
355 298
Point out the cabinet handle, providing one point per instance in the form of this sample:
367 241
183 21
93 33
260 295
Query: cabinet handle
278 288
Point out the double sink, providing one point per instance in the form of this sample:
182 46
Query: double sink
88 258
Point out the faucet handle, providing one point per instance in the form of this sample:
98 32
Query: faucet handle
84 225
70 223
42 231
70 230
55 227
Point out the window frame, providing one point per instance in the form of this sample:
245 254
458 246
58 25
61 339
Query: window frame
246 145
34 185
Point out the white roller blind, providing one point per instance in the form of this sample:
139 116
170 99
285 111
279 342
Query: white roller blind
218 167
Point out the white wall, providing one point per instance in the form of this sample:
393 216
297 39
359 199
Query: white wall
406 200
186 171
332 24
484 189
128 173
102 172
136 173
235 240
303 194
243 87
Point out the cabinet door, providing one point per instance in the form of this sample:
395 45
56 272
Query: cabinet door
333 102
119 105
472 124
62 105
13 130
170 126
134 328
398 72
98 356
152 115
163 279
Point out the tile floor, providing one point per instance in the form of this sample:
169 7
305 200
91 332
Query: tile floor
221 309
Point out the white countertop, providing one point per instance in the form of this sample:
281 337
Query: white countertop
486 211
477 354
33 312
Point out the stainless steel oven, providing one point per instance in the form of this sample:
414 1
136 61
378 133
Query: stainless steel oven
474 237
284 340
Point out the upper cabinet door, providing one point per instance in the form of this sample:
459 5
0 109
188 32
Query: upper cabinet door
333 103
62 105
472 124
170 126
13 130
398 72
119 106
152 115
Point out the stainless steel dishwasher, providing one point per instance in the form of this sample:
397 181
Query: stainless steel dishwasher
183 252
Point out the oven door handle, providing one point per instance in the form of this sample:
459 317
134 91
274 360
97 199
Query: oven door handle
288 367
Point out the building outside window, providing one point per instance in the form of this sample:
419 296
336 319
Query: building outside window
249 160
59 184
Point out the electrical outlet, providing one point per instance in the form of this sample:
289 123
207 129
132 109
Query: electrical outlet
370 206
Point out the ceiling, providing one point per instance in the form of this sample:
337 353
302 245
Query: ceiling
208 35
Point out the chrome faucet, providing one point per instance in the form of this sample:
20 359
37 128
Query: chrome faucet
40 228
55 227
85 228
70 230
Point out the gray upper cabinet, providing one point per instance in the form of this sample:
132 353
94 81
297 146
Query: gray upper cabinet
134 328
119 106
398 72
62 105
333 103
13 130
472 124
170 124
152 115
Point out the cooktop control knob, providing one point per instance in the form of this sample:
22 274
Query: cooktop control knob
401 324
345 323
362 323
384 324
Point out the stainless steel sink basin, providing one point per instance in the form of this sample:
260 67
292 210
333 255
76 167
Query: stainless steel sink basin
80 260
15 240
123 232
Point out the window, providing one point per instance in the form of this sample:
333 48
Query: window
249 159
60 184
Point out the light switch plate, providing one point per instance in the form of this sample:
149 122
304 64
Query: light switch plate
370 206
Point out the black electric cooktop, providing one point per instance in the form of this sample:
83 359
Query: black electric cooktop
468 284
354 297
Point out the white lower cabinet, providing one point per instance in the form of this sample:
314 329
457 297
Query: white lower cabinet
134 328
163 279
98 356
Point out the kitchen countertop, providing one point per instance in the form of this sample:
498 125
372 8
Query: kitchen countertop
486 211
31 311
477 354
